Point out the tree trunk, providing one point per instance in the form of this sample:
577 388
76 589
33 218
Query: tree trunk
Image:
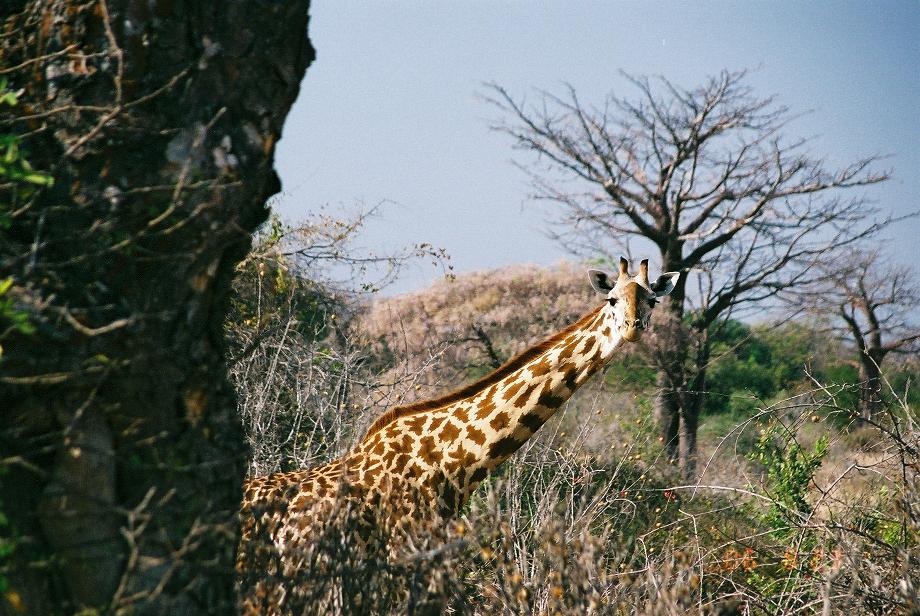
670 354
122 455
667 414
689 422
691 407
870 383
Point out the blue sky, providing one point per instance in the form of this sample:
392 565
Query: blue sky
390 111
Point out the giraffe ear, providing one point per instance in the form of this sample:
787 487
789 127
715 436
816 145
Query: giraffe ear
600 281
665 284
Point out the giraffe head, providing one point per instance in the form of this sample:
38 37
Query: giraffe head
632 298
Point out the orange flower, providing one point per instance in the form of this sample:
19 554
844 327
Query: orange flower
816 562
790 559
731 559
748 563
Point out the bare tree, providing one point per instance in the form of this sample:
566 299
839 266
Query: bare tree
874 304
706 176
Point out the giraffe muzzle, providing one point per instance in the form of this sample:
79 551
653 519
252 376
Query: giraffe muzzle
633 332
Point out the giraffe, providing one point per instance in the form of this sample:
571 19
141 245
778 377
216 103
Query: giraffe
422 461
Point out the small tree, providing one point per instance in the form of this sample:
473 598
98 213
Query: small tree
707 178
874 304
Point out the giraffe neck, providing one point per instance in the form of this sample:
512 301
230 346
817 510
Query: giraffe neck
511 411
446 447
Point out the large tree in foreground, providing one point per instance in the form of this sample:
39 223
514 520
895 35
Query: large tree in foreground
121 453
705 176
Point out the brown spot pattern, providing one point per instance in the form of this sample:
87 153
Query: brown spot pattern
504 447
532 421
571 379
566 353
548 400
477 436
521 400
415 424
449 432
540 368
513 389
500 421
485 410
428 451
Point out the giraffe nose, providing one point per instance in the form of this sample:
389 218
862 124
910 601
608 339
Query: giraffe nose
635 323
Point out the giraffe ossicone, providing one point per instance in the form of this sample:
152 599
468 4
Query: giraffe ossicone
424 460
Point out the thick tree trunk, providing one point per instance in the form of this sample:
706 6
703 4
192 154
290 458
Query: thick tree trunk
689 422
667 414
122 456
670 354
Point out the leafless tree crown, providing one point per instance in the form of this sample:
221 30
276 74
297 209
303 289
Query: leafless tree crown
704 173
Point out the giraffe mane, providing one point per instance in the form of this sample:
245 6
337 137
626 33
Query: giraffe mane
512 365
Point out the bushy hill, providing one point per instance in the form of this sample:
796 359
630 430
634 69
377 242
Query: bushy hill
475 322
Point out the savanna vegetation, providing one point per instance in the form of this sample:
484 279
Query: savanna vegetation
801 505
712 179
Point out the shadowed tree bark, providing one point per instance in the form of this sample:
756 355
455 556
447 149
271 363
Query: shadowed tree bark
705 177
121 454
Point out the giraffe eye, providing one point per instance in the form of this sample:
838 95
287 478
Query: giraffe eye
612 301
652 302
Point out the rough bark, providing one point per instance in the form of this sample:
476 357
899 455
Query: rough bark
670 356
122 455
667 414
691 407
689 422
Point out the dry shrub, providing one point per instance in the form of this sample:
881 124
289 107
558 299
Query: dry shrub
832 529
305 377
565 529
350 566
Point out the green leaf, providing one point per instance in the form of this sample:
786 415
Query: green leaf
41 179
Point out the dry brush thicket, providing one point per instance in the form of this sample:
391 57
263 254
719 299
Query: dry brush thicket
799 509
